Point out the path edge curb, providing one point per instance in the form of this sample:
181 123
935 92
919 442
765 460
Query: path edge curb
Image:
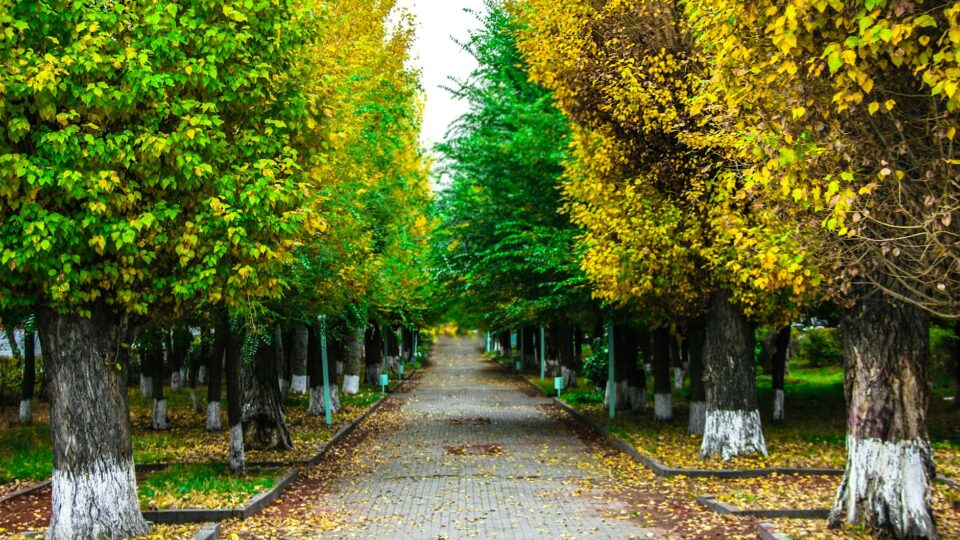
723 508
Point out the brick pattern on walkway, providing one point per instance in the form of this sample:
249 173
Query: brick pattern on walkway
432 477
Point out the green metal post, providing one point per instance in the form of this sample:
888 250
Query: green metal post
326 372
543 354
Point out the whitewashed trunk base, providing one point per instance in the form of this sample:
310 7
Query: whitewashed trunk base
160 419
637 399
569 377
678 378
299 384
284 386
663 406
202 375
176 381
698 418
731 434
316 407
889 480
339 367
100 502
778 415
351 384
237 459
26 412
195 401
146 386
213 416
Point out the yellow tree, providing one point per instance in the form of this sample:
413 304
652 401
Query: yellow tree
843 115
661 232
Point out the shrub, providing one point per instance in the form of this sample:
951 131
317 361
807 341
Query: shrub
595 364
821 347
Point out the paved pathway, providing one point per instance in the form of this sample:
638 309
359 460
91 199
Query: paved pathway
435 477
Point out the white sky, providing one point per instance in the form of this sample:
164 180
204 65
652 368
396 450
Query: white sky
439 58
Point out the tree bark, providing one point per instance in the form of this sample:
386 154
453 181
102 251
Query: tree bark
625 355
281 361
506 347
336 348
732 427
233 354
29 381
193 369
94 490
662 393
264 425
408 345
779 369
215 373
298 358
886 484
180 340
354 352
568 361
160 420
373 349
696 334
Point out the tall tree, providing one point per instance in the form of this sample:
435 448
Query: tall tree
153 158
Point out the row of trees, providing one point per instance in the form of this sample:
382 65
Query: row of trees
721 165
241 167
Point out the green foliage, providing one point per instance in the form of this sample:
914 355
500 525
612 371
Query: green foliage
820 347
596 364
942 342
154 153
207 481
503 246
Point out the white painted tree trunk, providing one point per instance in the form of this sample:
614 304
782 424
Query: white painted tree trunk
698 418
194 401
146 386
26 412
100 503
202 374
637 399
351 384
176 381
622 389
160 419
731 434
339 366
778 414
299 384
213 416
237 459
892 479
316 407
678 378
284 386
663 406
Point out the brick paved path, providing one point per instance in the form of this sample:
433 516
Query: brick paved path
539 486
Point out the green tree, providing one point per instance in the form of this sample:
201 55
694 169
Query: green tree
152 158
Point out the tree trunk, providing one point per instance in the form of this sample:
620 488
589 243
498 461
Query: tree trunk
886 485
698 397
506 348
281 361
956 361
662 394
94 493
179 349
264 425
733 421
354 352
624 355
568 361
373 348
233 354
298 359
215 373
29 381
12 340
193 369
637 379
408 345
779 369
160 420
335 350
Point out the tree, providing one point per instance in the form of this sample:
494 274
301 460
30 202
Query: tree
503 246
842 116
660 235
154 158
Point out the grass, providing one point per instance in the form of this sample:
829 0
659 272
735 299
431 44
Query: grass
203 486
25 453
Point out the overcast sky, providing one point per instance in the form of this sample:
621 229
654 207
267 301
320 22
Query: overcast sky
439 58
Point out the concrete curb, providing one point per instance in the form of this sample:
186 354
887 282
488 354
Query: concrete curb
719 507
768 531
209 531
24 491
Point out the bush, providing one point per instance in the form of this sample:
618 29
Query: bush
595 364
821 347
